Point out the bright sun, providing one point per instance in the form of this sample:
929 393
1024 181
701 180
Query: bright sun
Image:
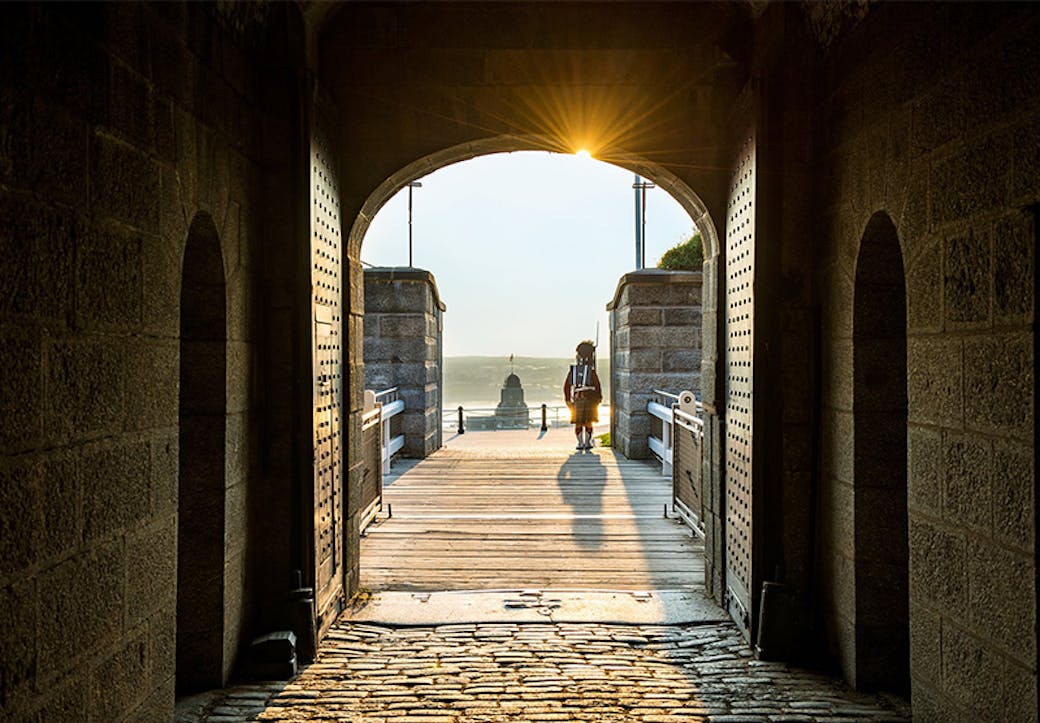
582 153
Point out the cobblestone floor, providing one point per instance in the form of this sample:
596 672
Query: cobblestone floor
589 672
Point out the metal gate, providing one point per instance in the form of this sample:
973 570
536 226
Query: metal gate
687 442
739 503
326 317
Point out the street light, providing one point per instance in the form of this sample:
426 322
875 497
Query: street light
640 187
413 184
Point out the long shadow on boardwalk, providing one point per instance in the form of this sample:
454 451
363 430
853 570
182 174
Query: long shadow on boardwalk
471 518
581 480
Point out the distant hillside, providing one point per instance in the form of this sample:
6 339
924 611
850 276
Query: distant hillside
477 380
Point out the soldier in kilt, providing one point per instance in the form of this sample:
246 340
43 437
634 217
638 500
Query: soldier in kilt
583 393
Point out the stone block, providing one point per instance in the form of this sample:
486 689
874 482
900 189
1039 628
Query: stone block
109 279
966 291
641 360
972 182
934 376
939 117
18 664
682 316
1012 495
621 339
238 448
925 645
412 374
881 536
924 470
664 294
37 243
1019 695
407 326
151 570
659 337
241 377
619 317
121 680
371 325
397 350
1026 174
837 445
840 520
21 388
1001 597
914 222
924 290
998 384
85 605
51 157
85 389
152 383
20 497
681 360
967 465
236 511
123 106
124 185
160 284
68 702
1014 259
972 673
116 487
938 567
642 316
395 297
164 467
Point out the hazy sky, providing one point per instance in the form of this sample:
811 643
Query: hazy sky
527 248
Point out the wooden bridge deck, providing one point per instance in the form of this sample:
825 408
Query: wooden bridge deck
474 518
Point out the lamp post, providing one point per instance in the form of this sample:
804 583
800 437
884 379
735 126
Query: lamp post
640 187
413 184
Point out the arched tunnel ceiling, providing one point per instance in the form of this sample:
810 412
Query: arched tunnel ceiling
634 83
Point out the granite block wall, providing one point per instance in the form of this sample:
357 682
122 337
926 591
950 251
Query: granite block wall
403 348
120 125
655 326
940 134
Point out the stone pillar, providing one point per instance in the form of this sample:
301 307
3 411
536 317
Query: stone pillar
404 323
655 335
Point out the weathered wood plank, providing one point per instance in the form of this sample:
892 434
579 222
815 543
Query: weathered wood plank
464 521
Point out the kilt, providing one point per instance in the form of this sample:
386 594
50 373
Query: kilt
585 411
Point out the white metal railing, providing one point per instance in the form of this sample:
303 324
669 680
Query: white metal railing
483 418
682 409
380 408
689 414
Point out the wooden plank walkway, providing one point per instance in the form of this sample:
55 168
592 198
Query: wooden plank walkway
474 518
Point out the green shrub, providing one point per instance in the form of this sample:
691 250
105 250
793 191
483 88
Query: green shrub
687 255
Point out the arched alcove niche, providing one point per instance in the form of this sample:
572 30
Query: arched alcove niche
201 661
882 627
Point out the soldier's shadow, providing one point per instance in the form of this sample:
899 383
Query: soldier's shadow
582 479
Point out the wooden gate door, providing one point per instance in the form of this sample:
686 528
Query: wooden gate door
741 569
327 355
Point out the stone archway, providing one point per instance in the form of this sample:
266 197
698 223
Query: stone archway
201 658
882 658
679 189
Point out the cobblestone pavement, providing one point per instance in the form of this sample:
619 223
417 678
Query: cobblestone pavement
528 672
